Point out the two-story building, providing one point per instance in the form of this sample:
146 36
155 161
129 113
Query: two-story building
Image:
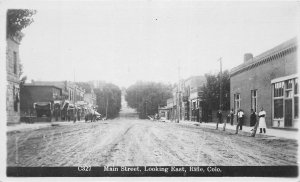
191 98
13 78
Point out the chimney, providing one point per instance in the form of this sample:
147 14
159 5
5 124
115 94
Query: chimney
248 57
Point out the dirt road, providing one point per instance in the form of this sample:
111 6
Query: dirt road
141 142
130 141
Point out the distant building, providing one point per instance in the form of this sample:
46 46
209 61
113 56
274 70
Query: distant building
171 109
192 98
186 101
70 90
90 98
269 80
13 79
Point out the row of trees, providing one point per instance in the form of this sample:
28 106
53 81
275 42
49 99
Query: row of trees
211 91
146 97
108 98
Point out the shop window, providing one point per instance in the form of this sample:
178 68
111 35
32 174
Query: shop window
254 100
278 89
296 107
278 108
289 84
288 90
278 100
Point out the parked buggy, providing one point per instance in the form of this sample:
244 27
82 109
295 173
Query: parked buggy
43 110
71 113
57 109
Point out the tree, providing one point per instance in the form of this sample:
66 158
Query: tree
17 20
108 100
211 91
146 97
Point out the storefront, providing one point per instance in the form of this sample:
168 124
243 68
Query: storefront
285 101
268 81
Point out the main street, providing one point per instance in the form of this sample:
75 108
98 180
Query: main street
128 140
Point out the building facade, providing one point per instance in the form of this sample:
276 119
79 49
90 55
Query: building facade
72 92
268 80
13 79
30 94
192 98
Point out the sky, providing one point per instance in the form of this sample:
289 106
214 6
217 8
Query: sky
162 41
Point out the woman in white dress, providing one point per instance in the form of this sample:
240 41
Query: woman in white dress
262 121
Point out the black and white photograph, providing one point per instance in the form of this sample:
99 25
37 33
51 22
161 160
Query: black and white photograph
149 88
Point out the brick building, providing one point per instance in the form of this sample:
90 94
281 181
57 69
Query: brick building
13 79
268 80
73 92
31 93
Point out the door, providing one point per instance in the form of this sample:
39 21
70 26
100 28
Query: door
288 116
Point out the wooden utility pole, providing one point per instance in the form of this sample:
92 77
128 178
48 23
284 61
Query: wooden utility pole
221 90
106 107
178 96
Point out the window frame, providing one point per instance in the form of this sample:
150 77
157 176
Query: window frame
278 94
15 62
254 97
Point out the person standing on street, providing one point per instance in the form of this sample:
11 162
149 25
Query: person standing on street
240 116
262 120
231 116
219 116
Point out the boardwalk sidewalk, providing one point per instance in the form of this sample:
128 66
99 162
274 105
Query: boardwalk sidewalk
289 134
38 125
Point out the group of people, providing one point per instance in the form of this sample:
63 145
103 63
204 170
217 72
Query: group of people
240 115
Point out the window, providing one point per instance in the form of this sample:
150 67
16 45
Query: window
296 107
278 108
289 88
296 86
289 84
237 102
278 100
296 99
254 100
15 62
55 93
278 89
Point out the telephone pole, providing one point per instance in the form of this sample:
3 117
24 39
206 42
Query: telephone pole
221 90
178 96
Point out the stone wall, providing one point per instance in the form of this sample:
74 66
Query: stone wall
12 93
